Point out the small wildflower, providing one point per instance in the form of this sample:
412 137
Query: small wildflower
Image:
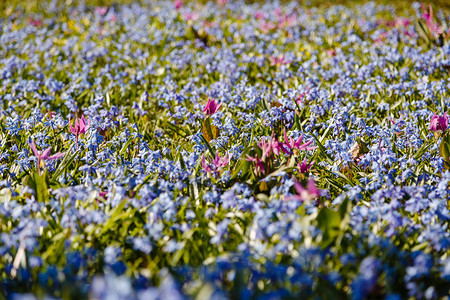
307 195
101 10
178 4
211 107
215 164
79 127
42 156
292 144
304 166
439 123
259 165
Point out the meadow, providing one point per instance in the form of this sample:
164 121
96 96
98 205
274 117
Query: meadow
224 150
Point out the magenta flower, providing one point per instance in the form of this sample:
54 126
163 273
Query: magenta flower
35 22
276 61
277 146
266 147
79 126
428 17
216 163
206 167
101 10
42 156
266 26
292 144
259 15
259 165
211 107
439 123
220 162
310 193
178 4
304 166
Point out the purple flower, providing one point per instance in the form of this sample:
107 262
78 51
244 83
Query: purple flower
310 193
178 4
101 10
211 107
439 123
79 127
216 163
297 144
304 166
42 156
259 165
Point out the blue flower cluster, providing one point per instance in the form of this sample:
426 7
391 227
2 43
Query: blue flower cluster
175 150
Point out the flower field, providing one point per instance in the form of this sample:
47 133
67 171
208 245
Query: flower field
178 150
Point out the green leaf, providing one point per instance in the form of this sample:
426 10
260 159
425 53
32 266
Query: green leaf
329 222
39 185
211 150
67 160
333 224
322 149
421 151
444 149
345 209
116 214
125 147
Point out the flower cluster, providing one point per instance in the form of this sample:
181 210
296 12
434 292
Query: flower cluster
178 150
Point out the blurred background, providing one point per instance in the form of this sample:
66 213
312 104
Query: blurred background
7 7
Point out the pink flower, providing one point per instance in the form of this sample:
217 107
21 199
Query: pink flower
101 10
277 146
310 193
278 12
35 22
220 162
286 21
266 147
216 163
292 144
276 61
304 167
409 33
191 16
439 123
402 22
428 17
178 4
206 167
331 52
211 107
259 165
259 15
266 26
42 156
79 127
